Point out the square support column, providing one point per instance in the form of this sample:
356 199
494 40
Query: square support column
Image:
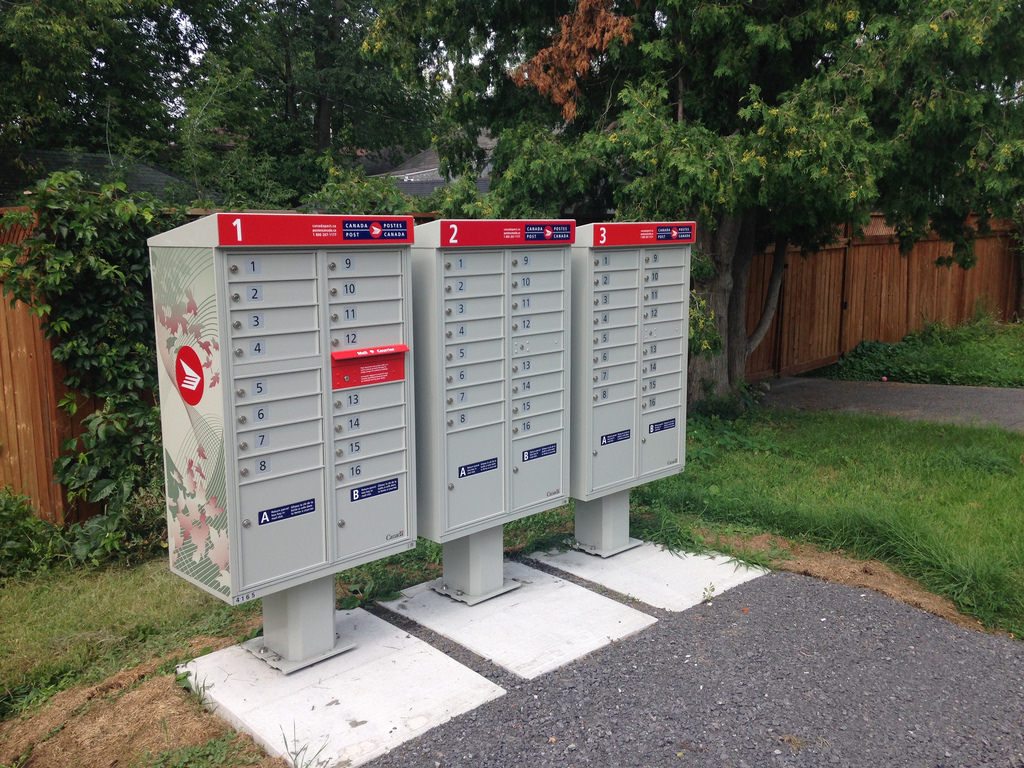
298 627
602 525
474 567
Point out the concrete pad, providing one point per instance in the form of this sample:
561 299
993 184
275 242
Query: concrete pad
543 625
654 575
346 710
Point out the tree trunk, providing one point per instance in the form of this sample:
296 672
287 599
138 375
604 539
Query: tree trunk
708 375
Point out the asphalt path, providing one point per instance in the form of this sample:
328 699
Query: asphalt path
784 670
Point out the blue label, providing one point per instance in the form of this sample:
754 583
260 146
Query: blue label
538 453
476 468
288 510
661 426
374 230
373 489
675 233
615 437
541 231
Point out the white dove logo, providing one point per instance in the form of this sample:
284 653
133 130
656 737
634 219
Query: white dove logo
191 379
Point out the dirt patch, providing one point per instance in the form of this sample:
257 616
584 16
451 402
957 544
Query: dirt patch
118 723
808 560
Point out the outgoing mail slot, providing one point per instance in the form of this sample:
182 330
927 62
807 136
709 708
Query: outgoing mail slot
536 404
663 312
473 352
364 288
535 425
465 397
534 302
283 411
614 299
615 355
368 336
272 293
472 309
275 346
537 261
471 418
614 337
614 392
468 375
538 364
658 366
539 281
359 313
667 276
614 318
538 384
538 344
474 285
370 468
278 463
368 421
368 445
369 397
474 330
276 385
471 263
614 374
664 348
663 294
263 439
659 331
370 365
256 265
532 324
375 263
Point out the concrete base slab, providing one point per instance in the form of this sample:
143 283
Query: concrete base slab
654 575
349 709
545 624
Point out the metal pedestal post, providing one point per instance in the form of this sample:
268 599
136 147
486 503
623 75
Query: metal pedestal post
602 525
474 568
298 627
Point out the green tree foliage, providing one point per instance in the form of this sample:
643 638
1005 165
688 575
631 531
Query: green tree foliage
771 122
85 271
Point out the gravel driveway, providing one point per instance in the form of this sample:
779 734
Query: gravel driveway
785 670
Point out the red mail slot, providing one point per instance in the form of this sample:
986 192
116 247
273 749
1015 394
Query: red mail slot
372 365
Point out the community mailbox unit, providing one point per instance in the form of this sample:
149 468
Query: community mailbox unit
285 373
492 311
630 286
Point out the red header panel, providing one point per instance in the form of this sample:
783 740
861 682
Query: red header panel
644 233
470 233
311 229
374 365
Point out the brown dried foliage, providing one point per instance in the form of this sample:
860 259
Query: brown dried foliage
557 71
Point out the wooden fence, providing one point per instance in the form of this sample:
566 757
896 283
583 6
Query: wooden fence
864 289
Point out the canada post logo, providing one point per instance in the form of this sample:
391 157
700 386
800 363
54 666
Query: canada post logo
188 373
375 230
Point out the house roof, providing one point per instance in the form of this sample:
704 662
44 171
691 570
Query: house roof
421 173
33 164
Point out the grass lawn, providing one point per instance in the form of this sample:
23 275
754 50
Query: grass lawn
981 353
943 504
